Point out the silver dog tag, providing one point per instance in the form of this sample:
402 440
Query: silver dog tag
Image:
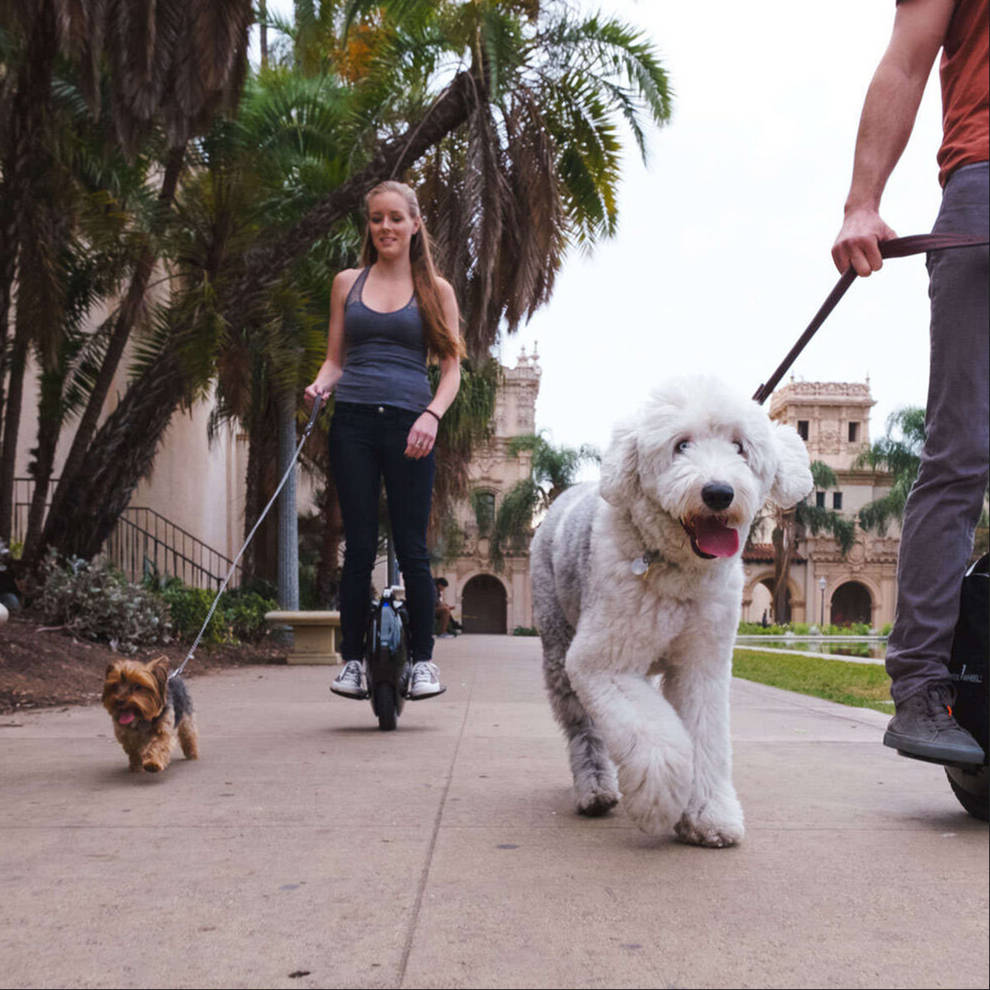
639 566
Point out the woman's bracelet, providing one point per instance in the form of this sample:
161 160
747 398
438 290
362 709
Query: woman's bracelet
433 414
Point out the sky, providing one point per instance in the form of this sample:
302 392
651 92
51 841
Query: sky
722 255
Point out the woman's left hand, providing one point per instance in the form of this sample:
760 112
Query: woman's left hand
422 436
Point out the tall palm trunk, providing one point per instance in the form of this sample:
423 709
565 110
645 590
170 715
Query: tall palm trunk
328 567
49 427
123 450
12 424
783 553
262 553
26 137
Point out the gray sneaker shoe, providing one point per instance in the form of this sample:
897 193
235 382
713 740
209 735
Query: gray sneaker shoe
349 683
425 680
924 728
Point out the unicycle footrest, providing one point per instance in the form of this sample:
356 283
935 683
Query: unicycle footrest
424 697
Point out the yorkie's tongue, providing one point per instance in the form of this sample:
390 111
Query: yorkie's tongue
125 718
712 536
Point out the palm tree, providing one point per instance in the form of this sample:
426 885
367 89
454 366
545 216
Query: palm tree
171 63
790 527
552 471
898 452
517 67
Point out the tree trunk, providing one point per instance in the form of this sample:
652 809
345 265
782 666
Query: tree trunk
26 134
261 556
49 428
11 427
127 317
123 450
263 25
783 553
288 518
328 568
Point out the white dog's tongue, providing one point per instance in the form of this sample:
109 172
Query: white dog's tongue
714 537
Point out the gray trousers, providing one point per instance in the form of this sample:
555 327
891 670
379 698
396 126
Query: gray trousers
947 499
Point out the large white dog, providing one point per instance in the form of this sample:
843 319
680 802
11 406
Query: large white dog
641 575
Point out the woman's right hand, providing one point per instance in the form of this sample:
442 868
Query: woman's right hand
316 389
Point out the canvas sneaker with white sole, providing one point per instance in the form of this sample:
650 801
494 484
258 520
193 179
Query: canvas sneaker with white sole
350 683
424 682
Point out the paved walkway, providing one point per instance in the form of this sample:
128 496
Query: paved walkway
446 854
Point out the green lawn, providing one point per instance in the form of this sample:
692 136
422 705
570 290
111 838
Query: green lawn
864 685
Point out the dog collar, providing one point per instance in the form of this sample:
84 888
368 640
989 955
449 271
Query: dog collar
641 565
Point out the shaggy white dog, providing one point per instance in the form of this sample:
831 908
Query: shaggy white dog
641 575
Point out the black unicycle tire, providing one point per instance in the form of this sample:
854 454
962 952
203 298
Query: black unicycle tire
388 716
972 790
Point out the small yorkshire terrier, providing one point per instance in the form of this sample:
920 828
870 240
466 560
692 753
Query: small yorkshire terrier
149 711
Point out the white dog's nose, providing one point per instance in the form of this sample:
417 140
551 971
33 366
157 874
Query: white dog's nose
717 496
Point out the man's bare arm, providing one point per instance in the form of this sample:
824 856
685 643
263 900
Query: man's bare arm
888 117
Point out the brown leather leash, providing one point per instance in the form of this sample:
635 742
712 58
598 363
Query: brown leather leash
898 247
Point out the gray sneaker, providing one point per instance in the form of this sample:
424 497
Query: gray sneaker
349 683
924 728
425 680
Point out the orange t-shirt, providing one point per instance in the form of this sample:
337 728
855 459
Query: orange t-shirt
965 85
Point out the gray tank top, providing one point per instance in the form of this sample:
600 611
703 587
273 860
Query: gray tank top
385 360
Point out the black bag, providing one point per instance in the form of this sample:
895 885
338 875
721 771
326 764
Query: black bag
968 665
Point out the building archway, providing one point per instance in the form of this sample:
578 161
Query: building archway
761 602
851 602
795 600
484 605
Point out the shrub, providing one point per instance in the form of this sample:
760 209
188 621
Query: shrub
189 607
239 616
95 601
244 612
525 631
758 629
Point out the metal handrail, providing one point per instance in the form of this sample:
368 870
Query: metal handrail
167 541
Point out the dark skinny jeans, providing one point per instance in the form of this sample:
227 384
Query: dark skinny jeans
367 444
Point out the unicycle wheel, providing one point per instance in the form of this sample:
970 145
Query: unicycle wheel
972 788
385 706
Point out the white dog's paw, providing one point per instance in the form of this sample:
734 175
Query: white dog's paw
596 794
654 792
715 825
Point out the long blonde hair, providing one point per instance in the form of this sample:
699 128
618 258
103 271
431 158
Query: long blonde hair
441 340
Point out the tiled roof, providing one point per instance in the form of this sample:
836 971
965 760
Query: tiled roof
762 553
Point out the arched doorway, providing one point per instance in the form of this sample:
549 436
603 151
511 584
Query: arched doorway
483 605
778 619
851 602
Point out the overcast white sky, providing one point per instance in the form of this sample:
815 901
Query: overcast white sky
722 255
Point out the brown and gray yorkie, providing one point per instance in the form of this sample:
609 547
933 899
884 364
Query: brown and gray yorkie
150 711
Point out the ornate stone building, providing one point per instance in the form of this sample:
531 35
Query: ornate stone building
485 599
833 418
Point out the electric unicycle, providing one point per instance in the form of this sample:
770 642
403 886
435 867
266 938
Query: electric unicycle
968 670
387 664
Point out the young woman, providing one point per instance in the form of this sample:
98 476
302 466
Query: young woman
386 318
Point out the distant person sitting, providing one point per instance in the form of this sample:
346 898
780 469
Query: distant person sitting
444 612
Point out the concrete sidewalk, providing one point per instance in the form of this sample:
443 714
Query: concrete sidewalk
306 848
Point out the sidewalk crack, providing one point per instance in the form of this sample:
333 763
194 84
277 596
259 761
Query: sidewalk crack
425 875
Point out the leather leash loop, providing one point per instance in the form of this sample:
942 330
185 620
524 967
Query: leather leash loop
897 247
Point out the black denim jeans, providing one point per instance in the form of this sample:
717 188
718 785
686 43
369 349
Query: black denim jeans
367 444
